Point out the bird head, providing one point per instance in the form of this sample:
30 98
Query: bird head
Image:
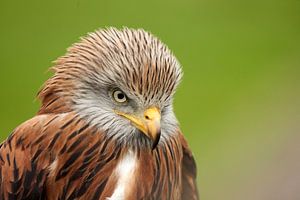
121 81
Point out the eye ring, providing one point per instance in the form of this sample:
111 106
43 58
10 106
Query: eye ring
119 96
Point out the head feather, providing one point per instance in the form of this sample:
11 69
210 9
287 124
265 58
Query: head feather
131 59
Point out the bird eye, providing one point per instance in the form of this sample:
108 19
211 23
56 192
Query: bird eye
119 96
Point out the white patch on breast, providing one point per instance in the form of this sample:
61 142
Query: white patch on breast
53 167
124 172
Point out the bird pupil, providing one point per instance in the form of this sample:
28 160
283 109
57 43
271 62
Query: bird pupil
121 96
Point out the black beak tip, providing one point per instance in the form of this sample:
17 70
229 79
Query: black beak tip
156 141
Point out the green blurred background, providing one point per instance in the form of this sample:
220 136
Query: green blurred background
239 102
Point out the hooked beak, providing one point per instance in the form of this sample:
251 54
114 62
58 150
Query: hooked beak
149 123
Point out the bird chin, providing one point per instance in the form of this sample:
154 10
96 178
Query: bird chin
145 141
141 141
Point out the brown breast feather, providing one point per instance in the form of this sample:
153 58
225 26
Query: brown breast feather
59 156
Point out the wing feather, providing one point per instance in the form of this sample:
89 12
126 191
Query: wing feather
56 156
22 173
189 173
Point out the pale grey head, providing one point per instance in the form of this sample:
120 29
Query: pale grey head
123 82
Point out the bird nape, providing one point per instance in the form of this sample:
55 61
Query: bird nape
106 127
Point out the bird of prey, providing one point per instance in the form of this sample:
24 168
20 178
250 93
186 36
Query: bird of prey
106 127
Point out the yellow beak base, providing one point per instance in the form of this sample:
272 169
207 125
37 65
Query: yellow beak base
149 123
